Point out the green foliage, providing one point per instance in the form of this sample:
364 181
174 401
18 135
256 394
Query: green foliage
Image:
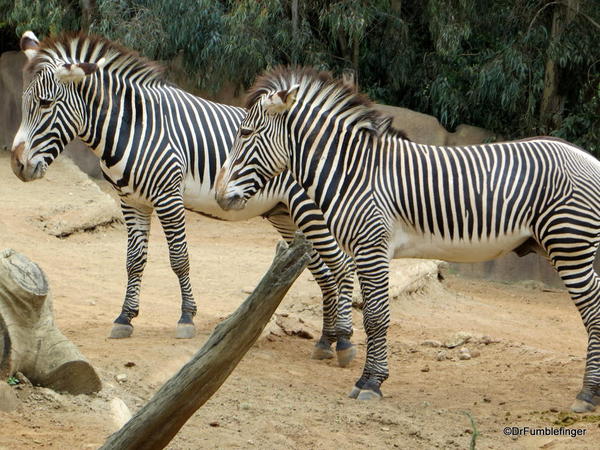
12 381
464 61
43 16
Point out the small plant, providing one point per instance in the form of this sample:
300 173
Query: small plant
475 434
12 381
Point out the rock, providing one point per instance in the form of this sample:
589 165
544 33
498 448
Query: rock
120 412
425 369
8 399
121 378
487 340
50 395
431 343
22 379
475 353
464 354
460 338
442 355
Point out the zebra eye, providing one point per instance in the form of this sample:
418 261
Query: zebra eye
245 132
45 103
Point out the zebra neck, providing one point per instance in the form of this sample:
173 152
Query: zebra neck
334 171
119 112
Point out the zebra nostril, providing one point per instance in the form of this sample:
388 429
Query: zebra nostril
16 165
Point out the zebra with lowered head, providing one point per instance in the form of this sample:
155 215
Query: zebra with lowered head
385 197
161 147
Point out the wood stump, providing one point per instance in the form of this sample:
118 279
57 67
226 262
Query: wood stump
153 426
30 343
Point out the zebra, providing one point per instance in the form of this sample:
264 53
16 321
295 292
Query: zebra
385 197
160 148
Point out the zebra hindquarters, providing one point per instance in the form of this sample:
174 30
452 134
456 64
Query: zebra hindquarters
570 237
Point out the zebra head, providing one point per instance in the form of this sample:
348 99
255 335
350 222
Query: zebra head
52 108
260 150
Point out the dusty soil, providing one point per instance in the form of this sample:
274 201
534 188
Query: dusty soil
278 397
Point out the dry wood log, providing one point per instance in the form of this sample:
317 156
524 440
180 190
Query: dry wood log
29 341
153 426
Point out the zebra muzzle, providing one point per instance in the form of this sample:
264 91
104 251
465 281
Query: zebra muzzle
231 201
26 172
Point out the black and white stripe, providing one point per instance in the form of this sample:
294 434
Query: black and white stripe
161 148
384 197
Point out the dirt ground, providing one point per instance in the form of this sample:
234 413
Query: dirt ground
531 343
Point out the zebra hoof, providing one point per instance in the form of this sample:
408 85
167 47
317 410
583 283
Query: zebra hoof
345 351
346 356
354 392
121 331
322 353
581 406
322 349
367 394
185 331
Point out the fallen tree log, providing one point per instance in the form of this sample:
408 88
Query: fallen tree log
153 426
30 343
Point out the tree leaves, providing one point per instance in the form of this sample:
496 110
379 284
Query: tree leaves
464 61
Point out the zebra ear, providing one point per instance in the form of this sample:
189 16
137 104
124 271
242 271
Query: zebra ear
68 73
29 44
281 101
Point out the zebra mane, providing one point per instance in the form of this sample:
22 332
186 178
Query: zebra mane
84 48
320 87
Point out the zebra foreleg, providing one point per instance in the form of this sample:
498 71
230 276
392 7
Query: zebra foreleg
332 270
171 214
282 222
307 216
138 228
373 273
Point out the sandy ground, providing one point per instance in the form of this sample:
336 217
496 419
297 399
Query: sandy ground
278 397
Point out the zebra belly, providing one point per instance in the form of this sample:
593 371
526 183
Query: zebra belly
202 200
407 243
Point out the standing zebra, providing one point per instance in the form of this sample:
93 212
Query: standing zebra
161 148
385 197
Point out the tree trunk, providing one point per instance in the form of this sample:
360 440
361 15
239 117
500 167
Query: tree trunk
552 102
29 341
153 426
295 29
88 11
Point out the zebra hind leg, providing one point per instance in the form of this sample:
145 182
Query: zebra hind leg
344 349
138 229
574 263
